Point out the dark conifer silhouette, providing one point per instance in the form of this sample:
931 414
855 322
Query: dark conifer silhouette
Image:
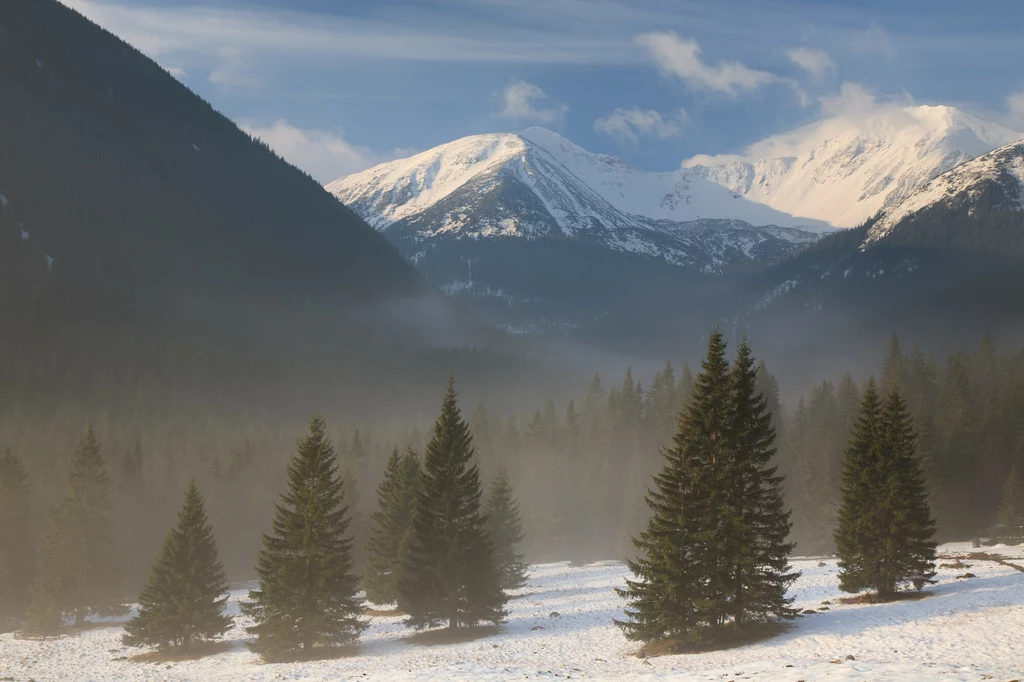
306 601
449 573
183 600
505 528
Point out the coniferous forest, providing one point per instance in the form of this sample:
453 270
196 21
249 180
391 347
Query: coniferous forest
441 520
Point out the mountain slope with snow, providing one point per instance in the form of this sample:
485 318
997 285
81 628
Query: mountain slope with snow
997 176
538 184
844 172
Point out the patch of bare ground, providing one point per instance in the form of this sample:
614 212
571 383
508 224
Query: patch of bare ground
190 653
457 636
728 640
384 613
875 598
985 556
318 653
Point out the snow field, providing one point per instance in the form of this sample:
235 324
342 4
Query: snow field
969 629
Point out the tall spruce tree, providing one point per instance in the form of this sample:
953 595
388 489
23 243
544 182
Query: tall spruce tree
17 553
449 573
681 585
902 511
758 558
183 600
505 528
1009 526
884 538
306 599
78 567
391 526
856 536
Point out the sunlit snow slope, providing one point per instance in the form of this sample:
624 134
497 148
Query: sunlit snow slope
560 627
844 171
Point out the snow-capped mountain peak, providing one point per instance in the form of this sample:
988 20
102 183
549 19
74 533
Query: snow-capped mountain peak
398 189
844 171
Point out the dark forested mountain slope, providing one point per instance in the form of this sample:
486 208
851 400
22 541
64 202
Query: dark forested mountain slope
128 207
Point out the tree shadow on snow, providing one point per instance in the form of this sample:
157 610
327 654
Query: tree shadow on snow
442 636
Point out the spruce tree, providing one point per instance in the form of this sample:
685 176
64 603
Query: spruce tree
17 553
758 558
183 600
681 584
1009 527
505 529
391 526
306 599
449 572
884 538
77 567
856 536
902 512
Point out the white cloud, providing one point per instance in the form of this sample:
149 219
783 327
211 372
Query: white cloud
524 101
853 101
234 71
680 57
323 154
1015 103
177 72
874 40
628 125
200 31
815 62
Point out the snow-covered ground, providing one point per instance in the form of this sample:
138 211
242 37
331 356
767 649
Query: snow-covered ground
967 630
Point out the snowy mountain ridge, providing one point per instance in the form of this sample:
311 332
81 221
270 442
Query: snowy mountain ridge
538 184
844 172
960 186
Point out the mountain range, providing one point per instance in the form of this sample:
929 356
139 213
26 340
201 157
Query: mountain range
540 236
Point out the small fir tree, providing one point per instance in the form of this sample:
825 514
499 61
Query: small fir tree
306 599
1009 526
183 600
449 572
16 551
78 567
391 526
505 528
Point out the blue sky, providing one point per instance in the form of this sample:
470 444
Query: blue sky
338 85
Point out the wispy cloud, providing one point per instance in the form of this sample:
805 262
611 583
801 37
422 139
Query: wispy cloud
416 35
629 125
526 102
874 40
857 102
1015 103
815 62
323 154
680 58
853 100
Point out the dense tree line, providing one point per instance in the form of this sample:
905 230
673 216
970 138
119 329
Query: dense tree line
579 469
968 416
